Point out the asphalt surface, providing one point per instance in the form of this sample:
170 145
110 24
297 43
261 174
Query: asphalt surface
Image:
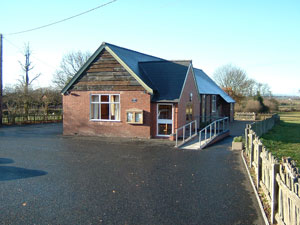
46 178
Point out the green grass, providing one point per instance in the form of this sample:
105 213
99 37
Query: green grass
284 138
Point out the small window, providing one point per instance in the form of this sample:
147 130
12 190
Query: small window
214 103
189 112
134 116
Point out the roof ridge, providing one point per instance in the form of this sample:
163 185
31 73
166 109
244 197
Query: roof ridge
127 49
181 60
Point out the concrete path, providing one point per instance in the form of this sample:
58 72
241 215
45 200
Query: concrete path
46 178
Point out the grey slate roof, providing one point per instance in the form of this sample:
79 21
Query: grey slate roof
165 78
168 78
207 86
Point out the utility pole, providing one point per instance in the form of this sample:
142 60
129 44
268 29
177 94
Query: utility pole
1 86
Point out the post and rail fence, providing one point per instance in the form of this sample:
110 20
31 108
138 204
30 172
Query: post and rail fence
251 116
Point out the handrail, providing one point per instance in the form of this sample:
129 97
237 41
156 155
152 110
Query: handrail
191 134
214 128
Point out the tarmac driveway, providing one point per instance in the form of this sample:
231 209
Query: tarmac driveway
46 178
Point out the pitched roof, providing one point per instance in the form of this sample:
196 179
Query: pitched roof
162 78
168 78
207 86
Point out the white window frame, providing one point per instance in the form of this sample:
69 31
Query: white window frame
109 102
214 103
164 121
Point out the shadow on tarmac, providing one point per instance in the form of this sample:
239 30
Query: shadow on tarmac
14 173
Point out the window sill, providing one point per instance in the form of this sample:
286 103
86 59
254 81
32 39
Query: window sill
163 135
95 120
135 123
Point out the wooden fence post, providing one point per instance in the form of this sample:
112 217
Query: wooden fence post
251 146
247 139
259 161
274 193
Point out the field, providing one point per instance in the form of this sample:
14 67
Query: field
289 104
284 138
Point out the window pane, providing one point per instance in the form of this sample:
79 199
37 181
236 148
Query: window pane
104 98
164 129
165 112
115 98
104 111
115 111
95 111
129 117
95 98
138 117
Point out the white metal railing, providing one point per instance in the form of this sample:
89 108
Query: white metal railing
213 130
188 130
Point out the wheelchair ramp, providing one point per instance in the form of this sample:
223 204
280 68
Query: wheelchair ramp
209 135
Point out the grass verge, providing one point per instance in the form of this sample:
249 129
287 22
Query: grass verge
284 138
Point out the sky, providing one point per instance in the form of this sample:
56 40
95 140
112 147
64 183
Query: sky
261 37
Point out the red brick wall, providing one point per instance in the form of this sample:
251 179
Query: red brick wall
208 107
77 115
189 87
153 113
232 113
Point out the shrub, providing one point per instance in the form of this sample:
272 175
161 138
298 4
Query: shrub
238 139
238 107
253 106
272 104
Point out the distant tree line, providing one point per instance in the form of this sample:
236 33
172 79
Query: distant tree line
250 95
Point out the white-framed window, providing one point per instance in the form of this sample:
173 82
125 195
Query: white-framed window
214 103
164 119
105 107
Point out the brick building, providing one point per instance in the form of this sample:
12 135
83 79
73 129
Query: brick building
121 92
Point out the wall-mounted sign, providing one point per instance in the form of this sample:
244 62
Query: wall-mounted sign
134 100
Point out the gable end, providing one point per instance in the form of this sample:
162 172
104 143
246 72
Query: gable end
105 73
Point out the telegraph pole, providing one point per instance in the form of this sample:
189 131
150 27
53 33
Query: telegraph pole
1 86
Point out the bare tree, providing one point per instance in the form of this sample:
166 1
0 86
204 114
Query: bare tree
69 66
25 82
263 89
26 67
233 77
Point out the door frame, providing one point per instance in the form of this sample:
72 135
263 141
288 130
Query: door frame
165 121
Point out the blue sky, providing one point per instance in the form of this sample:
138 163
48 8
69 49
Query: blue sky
261 37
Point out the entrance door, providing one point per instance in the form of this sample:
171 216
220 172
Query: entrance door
164 119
